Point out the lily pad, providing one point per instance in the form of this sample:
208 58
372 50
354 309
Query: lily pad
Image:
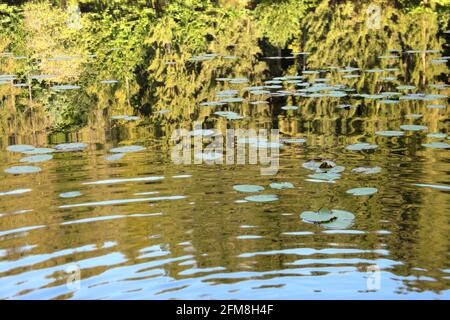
71 146
323 215
248 188
37 158
367 170
334 219
39 151
22 169
437 135
390 133
315 165
413 127
262 198
20 148
362 191
342 214
325 176
405 87
437 145
126 149
361 146
281 185
338 224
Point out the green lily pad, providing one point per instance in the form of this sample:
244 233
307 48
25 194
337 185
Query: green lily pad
437 135
437 145
321 216
361 146
71 146
37 158
406 87
19 148
390 133
413 127
281 185
367 170
262 198
342 214
338 224
22 169
325 176
248 188
315 165
39 151
362 191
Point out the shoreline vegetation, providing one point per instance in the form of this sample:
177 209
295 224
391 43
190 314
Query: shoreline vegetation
64 64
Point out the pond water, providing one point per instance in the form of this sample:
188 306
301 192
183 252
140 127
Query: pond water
139 226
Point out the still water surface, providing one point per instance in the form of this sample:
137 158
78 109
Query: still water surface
141 227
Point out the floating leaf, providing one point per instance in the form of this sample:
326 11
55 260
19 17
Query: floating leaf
338 224
315 165
262 198
20 148
321 216
23 169
413 127
342 215
37 158
437 135
334 219
325 176
390 133
248 188
361 146
436 145
71 146
406 87
362 191
39 151
281 185
367 170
